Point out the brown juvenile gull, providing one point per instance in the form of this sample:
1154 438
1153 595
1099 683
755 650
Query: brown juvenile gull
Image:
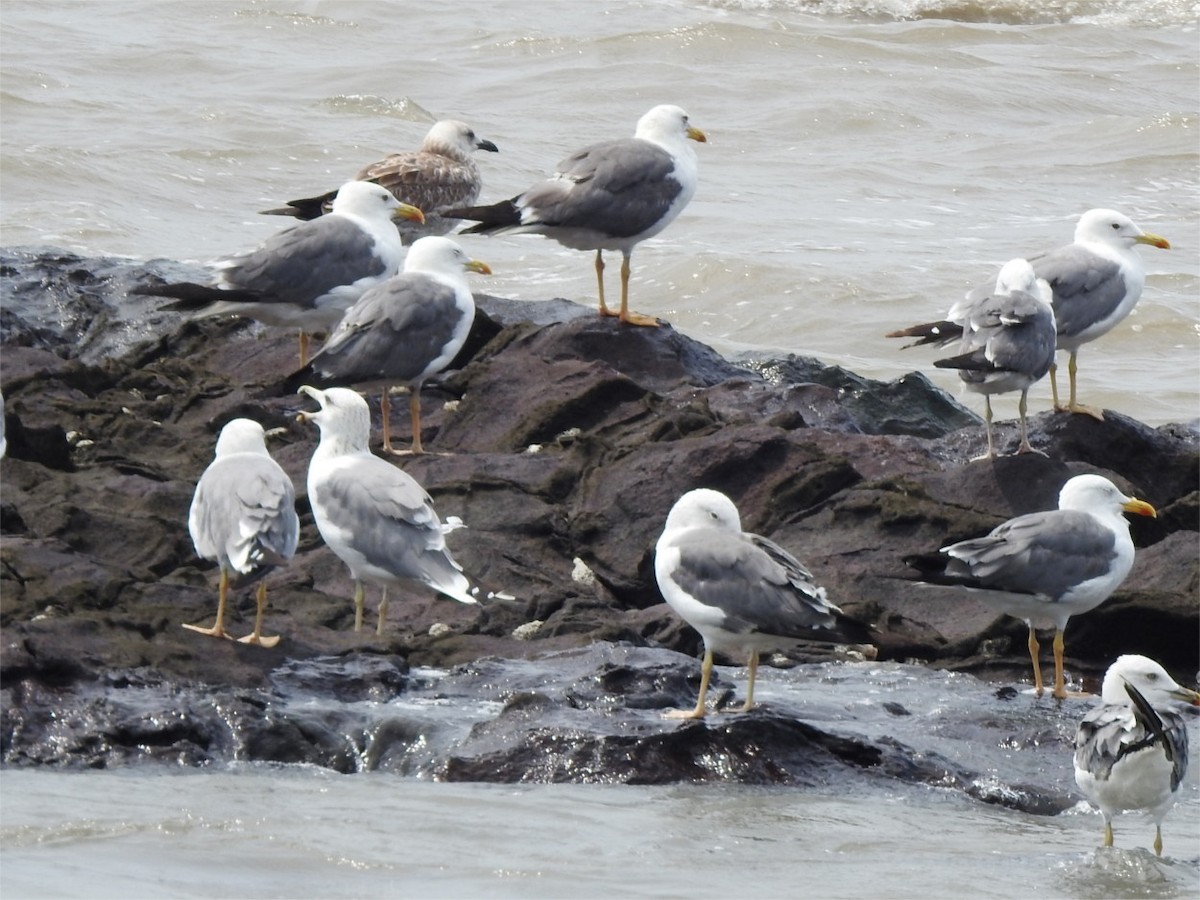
608 196
406 329
438 176
243 517
1132 751
1007 343
1096 281
742 592
308 275
1046 567
374 516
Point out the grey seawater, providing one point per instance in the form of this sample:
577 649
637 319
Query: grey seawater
868 162
253 830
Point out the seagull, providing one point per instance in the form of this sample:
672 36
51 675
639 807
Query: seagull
1046 567
1095 281
742 592
374 516
406 329
1132 752
308 275
243 516
607 196
1008 342
439 175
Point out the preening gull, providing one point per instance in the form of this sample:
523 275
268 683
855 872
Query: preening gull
440 175
1131 753
1007 344
1095 281
742 592
608 196
373 515
406 329
1046 567
243 517
308 275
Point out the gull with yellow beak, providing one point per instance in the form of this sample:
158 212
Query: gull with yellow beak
308 275
1046 567
406 329
608 196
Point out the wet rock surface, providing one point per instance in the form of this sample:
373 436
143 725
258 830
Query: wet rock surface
562 441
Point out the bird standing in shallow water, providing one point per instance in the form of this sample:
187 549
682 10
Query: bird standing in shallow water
1046 567
243 516
742 592
607 196
1131 753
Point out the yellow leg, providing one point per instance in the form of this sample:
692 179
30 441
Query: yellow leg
987 424
1107 833
1158 840
218 629
359 601
631 318
1060 682
749 704
1035 650
385 410
257 637
1022 408
303 348
1074 407
414 413
705 673
383 605
604 310
1054 388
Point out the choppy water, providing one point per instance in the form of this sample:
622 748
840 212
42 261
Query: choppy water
869 160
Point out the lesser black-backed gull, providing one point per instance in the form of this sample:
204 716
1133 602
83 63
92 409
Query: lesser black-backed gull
1046 567
742 592
1131 753
243 517
308 275
608 196
440 175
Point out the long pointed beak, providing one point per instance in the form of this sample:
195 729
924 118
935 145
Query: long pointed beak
1153 240
404 211
475 265
697 135
311 392
1139 508
1186 695
486 145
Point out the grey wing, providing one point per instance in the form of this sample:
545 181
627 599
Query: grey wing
307 261
392 523
619 187
244 512
1176 734
395 330
756 592
1087 287
1045 553
1007 333
429 181
1103 736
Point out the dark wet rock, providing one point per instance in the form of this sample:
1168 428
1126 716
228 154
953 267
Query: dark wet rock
562 441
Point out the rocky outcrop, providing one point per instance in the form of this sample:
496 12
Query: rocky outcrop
561 440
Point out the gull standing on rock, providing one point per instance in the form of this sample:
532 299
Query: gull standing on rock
742 592
1131 753
406 329
373 515
607 196
440 175
1046 567
243 517
308 275
1008 337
